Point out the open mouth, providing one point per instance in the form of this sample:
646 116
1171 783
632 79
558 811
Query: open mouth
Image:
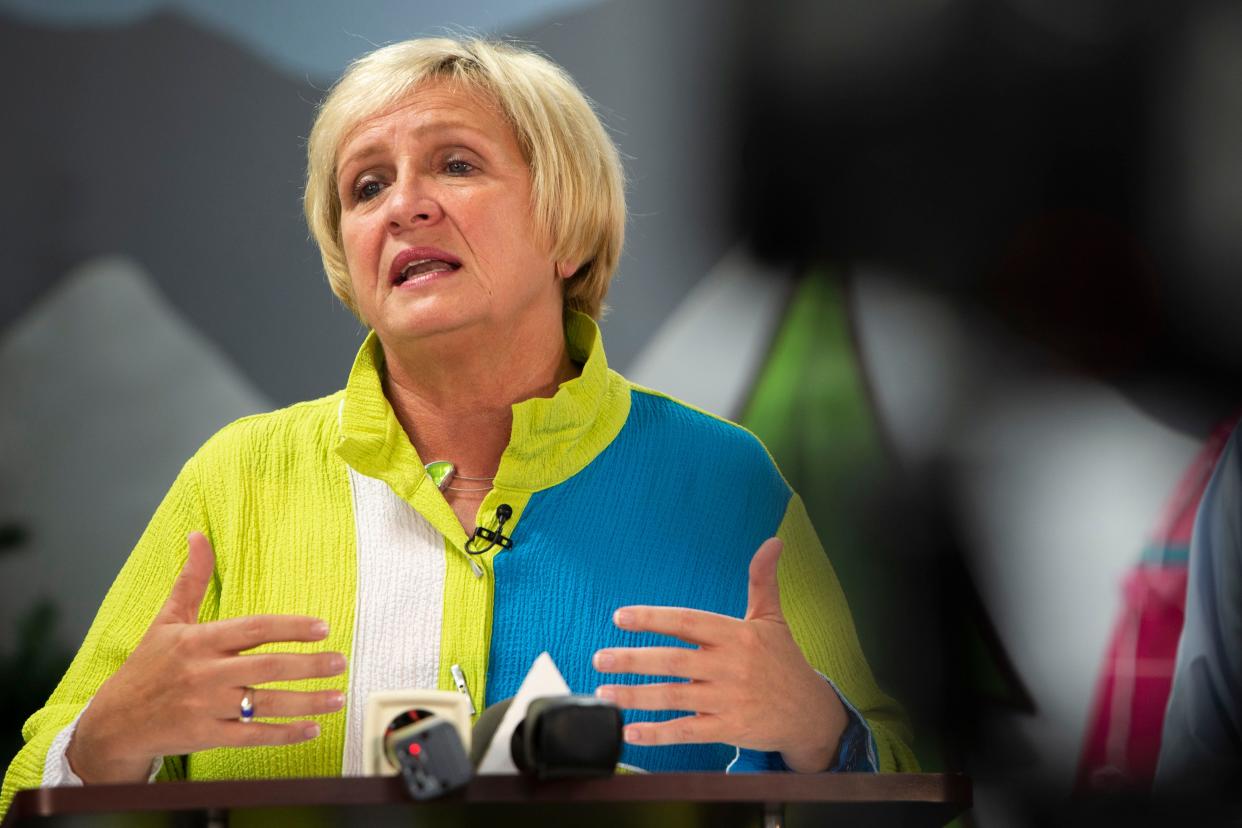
414 262
422 266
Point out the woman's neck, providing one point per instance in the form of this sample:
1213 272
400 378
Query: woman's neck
453 394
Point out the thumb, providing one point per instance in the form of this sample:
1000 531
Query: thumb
188 590
764 594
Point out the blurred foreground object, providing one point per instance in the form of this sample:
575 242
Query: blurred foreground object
1123 733
1071 168
1201 750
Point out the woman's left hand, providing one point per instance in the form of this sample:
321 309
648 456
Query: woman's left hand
748 683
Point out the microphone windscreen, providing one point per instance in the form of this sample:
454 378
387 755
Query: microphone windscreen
485 729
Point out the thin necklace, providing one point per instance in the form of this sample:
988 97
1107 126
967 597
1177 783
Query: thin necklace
444 473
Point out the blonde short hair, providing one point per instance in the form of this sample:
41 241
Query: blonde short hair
577 184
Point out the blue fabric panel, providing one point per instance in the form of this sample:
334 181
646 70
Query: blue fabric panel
669 514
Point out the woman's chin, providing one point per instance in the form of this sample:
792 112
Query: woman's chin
425 321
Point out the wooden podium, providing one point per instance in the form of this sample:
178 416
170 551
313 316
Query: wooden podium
655 801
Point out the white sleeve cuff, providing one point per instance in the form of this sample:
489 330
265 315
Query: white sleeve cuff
56 769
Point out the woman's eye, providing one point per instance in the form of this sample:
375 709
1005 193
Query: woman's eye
458 167
367 190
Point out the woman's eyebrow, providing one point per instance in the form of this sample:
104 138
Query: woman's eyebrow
380 146
363 153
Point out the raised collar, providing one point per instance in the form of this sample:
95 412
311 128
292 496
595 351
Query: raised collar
552 438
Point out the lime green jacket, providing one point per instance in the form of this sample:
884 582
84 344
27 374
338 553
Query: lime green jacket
619 496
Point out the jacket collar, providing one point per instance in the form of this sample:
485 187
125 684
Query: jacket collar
552 438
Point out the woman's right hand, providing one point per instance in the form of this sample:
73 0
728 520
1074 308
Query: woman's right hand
181 688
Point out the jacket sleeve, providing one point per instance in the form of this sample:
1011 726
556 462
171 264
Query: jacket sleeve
130 605
1200 748
820 621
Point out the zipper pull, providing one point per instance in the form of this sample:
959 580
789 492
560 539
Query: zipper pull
459 678
475 568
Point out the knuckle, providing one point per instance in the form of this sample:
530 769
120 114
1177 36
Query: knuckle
195 707
273 734
749 733
292 703
253 735
748 637
684 623
183 639
188 673
256 734
269 665
679 661
266 703
252 627
199 672
292 733
684 731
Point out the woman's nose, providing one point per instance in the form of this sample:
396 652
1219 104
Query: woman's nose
412 202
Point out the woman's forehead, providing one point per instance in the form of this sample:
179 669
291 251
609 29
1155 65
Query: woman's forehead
434 106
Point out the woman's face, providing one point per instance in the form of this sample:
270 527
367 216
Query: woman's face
436 220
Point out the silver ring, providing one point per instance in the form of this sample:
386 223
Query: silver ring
247 707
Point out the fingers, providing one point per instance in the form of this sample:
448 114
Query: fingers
690 625
257 734
682 662
236 634
263 668
277 704
764 594
686 695
685 730
188 590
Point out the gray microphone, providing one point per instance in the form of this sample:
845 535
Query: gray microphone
428 753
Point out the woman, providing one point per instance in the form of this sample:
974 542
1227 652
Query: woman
469 209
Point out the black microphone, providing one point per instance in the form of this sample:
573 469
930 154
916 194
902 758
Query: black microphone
494 538
561 736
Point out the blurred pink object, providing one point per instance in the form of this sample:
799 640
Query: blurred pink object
1122 740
